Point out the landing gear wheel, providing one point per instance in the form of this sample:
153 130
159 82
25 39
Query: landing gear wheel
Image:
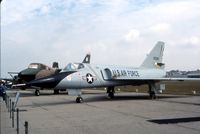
152 95
152 89
56 91
111 92
79 99
37 92
111 95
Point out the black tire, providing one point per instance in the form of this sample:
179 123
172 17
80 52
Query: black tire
37 92
152 95
111 92
56 91
111 95
79 100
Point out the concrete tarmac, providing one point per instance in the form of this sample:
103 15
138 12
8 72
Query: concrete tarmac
5 121
128 113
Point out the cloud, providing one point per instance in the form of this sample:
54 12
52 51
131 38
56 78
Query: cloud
194 40
133 35
160 28
18 10
45 31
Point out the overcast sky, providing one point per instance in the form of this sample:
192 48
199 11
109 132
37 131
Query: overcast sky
113 31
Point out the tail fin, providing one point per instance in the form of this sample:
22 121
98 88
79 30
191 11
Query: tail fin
87 59
154 58
55 65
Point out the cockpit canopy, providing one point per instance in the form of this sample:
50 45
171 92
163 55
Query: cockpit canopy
33 65
37 66
73 67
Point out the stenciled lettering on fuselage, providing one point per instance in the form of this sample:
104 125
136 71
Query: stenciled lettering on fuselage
125 73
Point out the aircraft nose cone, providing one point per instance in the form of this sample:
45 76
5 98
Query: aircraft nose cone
28 74
29 71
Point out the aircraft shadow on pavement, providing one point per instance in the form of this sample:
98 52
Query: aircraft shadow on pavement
175 120
54 103
179 102
43 104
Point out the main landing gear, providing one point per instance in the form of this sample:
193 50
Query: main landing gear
152 89
111 92
79 99
55 91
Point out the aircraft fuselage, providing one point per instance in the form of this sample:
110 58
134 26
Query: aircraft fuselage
91 76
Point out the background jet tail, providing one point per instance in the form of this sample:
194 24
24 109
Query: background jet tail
154 58
55 65
87 59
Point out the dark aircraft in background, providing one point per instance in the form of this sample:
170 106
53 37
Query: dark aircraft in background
33 72
36 71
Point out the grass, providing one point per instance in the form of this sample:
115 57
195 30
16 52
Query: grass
173 87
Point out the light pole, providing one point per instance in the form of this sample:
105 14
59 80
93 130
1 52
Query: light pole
0 38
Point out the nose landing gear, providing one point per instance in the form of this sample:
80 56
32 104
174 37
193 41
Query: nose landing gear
79 99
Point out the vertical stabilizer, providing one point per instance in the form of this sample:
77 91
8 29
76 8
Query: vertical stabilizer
87 59
154 58
55 65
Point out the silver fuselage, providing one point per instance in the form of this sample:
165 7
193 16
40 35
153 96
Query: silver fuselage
105 76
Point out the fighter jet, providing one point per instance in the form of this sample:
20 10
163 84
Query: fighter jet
77 76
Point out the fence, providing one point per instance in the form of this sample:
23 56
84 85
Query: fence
12 110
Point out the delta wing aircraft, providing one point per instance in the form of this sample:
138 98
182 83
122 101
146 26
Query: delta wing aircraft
77 76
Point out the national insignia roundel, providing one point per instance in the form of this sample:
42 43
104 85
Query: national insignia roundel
89 78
